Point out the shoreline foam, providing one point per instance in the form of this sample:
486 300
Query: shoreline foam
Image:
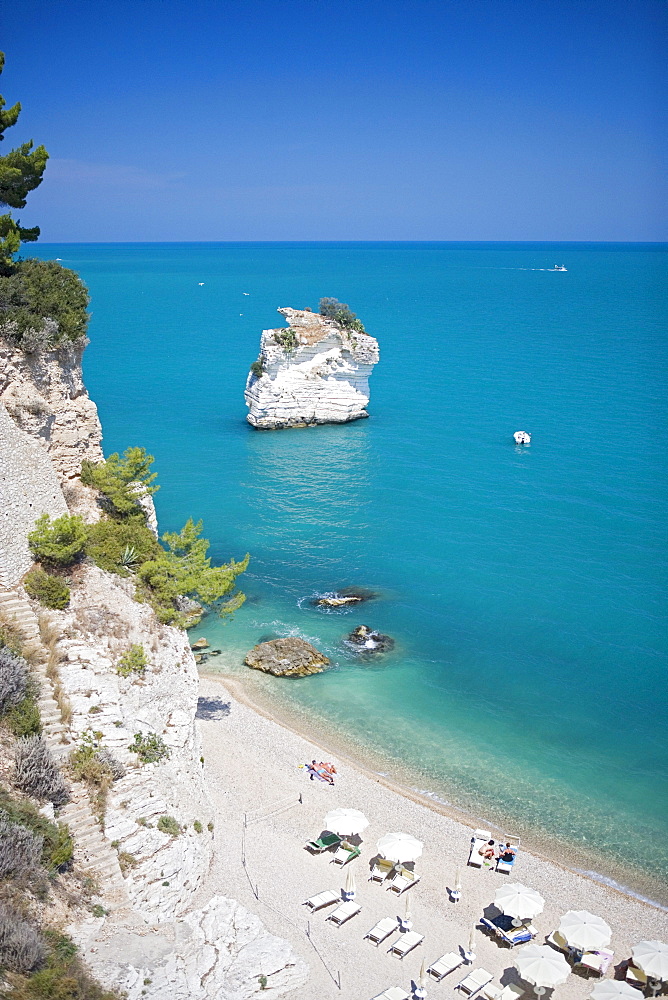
333 741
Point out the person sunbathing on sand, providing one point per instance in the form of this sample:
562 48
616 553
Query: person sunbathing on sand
319 771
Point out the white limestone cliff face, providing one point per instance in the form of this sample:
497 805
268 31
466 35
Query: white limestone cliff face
218 951
323 380
45 396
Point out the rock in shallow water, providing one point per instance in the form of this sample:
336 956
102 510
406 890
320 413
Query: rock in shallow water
287 658
370 641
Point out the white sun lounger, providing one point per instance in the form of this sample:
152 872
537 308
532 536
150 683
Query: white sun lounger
344 912
323 899
382 930
510 992
479 838
402 880
406 943
444 965
506 867
394 993
381 870
474 982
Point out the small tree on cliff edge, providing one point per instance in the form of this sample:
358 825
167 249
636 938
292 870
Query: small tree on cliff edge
21 171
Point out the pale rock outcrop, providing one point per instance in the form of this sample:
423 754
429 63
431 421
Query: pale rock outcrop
322 380
291 657
216 953
45 395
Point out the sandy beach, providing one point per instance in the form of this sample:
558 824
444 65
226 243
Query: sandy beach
267 809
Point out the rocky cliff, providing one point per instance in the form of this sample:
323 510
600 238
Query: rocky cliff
151 942
315 372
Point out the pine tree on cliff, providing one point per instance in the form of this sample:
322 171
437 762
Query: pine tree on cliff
21 171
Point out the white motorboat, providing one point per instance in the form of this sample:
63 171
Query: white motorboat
559 267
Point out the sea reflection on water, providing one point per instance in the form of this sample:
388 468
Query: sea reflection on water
309 492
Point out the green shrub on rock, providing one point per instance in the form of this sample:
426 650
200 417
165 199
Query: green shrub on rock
121 480
149 747
51 591
59 542
341 313
110 543
42 305
167 824
133 661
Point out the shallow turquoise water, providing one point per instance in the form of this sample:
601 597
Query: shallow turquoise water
523 586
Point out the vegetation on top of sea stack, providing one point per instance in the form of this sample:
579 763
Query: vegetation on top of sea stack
42 305
341 313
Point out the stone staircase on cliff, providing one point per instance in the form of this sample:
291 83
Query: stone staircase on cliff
93 853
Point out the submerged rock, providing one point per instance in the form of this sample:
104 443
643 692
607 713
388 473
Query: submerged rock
287 658
369 640
315 371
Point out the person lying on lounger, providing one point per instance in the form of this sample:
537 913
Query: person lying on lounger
507 853
487 850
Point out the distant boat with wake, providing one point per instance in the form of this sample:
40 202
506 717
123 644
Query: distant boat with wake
558 267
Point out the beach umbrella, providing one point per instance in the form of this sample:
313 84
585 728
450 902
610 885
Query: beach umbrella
542 966
350 884
422 978
584 931
400 847
346 822
652 958
518 901
613 989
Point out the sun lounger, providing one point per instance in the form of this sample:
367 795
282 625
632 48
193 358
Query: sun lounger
474 982
394 993
406 943
323 899
479 838
381 870
323 843
345 853
510 992
344 912
597 961
444 965
382 930
402 880
636 977
558 940
503 928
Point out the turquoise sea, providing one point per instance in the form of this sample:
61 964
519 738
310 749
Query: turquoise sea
524 587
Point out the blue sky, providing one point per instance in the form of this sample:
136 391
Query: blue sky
355 119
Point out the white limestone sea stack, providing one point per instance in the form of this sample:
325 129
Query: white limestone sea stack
314 372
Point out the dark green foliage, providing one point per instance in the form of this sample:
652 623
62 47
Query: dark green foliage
149 747
133 661
36 773
287 339
42 305
59 542
21 171
341 313
167 824
185 569
63 976
24 719
257 368
51 591
113 478
108 542
197 826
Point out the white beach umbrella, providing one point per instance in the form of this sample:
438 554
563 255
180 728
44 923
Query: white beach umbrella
542 966
422 978
400 847
350 884
584 931
613 989
517 900
346 822
652 958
